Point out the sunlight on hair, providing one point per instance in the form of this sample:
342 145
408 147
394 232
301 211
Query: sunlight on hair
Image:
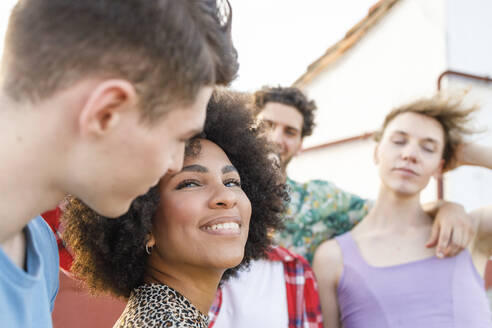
5 9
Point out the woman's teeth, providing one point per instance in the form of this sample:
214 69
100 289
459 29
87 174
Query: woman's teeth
232 226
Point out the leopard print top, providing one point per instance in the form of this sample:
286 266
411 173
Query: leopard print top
156 305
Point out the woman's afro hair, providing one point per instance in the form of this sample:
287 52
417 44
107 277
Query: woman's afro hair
110 255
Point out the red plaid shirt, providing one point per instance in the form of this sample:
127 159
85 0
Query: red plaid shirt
303 304
53 219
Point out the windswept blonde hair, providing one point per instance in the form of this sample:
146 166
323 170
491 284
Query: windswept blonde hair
451 113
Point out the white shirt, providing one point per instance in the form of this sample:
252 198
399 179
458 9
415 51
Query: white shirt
256 298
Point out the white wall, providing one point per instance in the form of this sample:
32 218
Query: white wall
398 60
470 51
469 26
340 164
472 186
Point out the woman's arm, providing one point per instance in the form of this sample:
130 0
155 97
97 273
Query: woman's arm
473 154
328 266
478 155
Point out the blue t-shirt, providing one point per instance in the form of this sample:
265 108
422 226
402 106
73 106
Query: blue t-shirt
27 297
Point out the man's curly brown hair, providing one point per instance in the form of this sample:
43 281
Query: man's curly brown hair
290 96
110 254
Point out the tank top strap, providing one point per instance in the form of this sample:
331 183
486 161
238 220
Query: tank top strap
350 250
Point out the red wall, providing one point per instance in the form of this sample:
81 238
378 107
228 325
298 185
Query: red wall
75 308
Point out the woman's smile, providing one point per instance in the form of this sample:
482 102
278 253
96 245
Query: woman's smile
223 226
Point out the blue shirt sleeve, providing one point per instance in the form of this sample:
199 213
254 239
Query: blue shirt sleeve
51 261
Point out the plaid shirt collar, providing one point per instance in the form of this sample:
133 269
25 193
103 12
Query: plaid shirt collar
302 291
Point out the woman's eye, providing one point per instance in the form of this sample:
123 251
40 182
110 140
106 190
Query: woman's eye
187 184
232 183
399 141
428 147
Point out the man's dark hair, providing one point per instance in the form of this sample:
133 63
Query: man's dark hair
110 254
167 49
290 96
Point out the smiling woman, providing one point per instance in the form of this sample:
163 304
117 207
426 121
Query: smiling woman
169 253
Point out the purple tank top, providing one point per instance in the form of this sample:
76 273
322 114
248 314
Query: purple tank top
430 293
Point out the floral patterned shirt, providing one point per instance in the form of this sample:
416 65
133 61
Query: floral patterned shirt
318 210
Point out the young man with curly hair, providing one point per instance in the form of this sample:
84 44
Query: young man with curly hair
317 211
98 99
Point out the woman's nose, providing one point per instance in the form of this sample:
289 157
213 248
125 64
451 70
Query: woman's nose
223 197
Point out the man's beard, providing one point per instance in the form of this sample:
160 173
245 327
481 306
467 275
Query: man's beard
284 162
281 160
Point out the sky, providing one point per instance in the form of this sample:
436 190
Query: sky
276 39
5 8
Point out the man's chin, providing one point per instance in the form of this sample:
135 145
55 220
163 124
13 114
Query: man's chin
284 162
275 158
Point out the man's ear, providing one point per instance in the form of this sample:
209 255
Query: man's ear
104 106
375 156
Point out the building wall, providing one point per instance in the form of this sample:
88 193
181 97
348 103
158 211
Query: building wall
75 308
469 50
468 39
399 59
472 186
341 165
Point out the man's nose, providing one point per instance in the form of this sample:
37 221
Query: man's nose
410 153
276 136
177 159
